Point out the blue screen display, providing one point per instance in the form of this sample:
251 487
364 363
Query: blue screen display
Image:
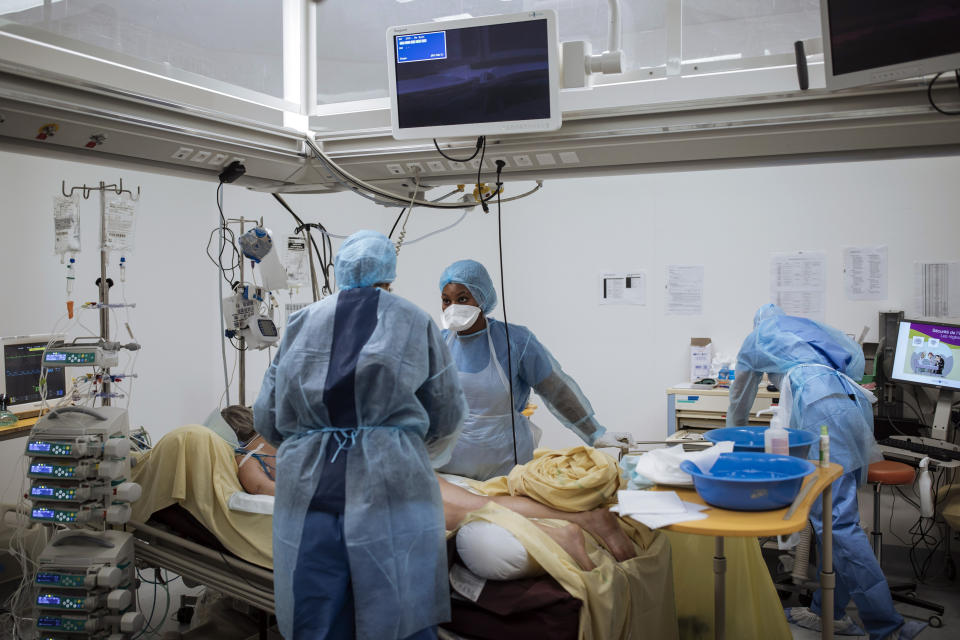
48 600
491 73
41 468
48 578
38 446
422 46
44 621
54 356
41 491
43 513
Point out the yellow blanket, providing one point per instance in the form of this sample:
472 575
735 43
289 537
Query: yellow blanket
582 478
195 468
630 599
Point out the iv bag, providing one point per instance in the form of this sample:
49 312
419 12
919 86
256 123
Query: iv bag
119 217
295 260
66 224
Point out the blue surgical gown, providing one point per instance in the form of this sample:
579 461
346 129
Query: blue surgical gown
532 368
818 365
366 369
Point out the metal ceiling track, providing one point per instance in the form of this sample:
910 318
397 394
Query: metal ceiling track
48 116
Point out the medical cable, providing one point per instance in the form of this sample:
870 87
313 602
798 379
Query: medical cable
956 74
396 222
403 229
506 324
480 142
223 325
365 189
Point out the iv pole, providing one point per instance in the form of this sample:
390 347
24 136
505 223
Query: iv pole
102 283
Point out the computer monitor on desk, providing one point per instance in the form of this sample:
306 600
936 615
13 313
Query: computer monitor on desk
929 354
22 357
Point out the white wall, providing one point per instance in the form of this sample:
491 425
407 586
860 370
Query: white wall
555 244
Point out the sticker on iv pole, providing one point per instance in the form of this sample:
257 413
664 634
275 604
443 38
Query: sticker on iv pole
466 583
624 288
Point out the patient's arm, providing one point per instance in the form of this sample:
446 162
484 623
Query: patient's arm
458 502
251 474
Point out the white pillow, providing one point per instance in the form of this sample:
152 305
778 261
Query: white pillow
492 552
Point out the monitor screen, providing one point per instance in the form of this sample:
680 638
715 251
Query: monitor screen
928 354
888 39
480 78
21 370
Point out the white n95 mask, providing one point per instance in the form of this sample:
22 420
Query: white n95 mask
459 317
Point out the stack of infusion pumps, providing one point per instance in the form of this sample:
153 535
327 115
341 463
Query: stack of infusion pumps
78 470
86 587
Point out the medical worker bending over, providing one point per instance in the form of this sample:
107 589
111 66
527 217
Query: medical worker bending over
362 400
816 367
479 348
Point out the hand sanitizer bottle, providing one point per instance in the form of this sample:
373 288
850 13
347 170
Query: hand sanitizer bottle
776 439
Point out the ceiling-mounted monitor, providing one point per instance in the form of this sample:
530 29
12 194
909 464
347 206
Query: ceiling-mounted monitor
884 40
475 76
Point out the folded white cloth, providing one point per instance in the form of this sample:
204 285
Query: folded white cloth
692 511
662 466
250 503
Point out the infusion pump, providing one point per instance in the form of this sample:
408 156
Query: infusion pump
79 468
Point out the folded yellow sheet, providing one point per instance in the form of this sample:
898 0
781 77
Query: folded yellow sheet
194 467
576 479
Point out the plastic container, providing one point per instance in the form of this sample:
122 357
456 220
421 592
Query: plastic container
747 481
751 439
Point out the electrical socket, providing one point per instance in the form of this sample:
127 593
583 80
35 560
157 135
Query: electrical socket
395 169
436 165
218 159
415 167
201 156
458 166
546 159
183 153
522 161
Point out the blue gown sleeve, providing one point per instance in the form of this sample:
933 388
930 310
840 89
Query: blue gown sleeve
743 392
443 400
561 394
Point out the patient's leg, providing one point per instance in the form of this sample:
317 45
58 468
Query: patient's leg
458 502
570 539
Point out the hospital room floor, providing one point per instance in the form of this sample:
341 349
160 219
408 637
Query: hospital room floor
896 565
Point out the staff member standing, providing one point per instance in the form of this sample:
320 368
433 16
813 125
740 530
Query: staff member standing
362 400
815 367
478 345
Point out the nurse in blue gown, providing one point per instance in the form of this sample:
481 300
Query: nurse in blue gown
362 401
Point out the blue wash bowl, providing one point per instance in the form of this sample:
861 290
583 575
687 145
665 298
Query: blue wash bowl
751 439
748 481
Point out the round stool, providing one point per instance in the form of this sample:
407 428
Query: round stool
889 473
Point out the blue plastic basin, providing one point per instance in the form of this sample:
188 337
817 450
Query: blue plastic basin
748 481
751 439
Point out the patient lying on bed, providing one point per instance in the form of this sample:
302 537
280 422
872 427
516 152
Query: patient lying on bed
458 502
256 458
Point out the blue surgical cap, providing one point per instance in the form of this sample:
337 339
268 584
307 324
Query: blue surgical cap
766 311
366 258
474 277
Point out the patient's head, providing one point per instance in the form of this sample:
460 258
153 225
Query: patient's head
240 419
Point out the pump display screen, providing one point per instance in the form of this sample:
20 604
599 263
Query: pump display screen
267 328
48 600
21 368
38 447
41 468
480 74
43 514
41 491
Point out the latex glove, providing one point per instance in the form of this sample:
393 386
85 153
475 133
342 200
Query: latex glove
615 439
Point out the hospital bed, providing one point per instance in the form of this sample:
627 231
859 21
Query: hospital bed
184 523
